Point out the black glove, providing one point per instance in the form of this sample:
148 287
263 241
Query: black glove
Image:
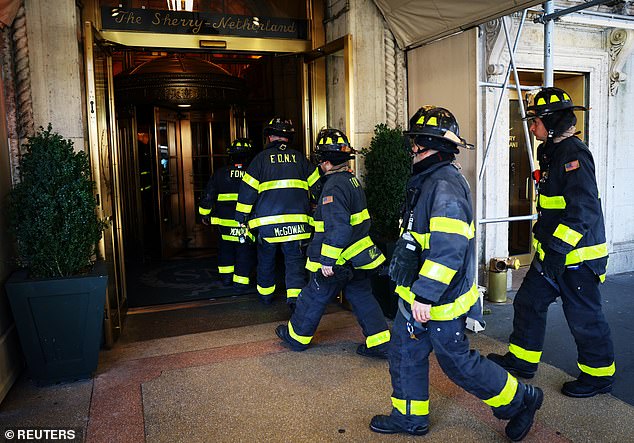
341 274
404 266
553 264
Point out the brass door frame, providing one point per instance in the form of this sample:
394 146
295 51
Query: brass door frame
104 155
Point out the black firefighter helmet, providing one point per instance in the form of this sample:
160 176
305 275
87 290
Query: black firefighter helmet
240 147
280 127
436 128
333 146
545 101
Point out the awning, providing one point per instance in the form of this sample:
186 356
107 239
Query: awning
415 22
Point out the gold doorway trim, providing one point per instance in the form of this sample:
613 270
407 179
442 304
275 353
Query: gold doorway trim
173 41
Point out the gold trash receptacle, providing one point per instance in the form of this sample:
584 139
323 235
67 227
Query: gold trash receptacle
496 291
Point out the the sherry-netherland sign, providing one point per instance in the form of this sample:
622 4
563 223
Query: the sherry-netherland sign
201 23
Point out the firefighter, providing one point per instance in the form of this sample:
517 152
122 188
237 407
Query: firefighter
217 207
434 270
341 255
274 198
570 252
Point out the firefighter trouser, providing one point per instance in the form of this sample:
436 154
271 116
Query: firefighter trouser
236 258
314 298
409 369
581 303
294 261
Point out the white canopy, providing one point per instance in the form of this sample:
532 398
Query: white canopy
415 22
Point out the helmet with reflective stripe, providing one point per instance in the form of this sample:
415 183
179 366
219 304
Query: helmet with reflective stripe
333 146
280 127
240 147
435 128
545 101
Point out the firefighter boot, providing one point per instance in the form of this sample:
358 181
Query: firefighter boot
379 352
398 423
519 425
282 332
227 279
508 362
580 389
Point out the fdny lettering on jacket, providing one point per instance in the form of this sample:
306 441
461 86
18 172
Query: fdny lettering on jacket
289 230
237 173
283 158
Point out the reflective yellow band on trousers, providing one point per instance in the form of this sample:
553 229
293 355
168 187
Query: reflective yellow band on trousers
330 251
436 271
282 184
255 184
285 238
312 178
606 371
416 407
240 279
451 226
275 219
225 269
577 255
227 197
312 266
266 291
524 354
377 339
241 207
292 293
506 396
567 235
448 311
203 211
300 338
224 222
554 202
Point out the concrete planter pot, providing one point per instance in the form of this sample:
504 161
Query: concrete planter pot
59 323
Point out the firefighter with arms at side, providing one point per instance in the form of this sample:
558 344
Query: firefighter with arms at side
274 198
217 207
434 270
341 254
570 252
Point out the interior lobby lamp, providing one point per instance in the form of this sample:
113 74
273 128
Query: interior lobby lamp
180 5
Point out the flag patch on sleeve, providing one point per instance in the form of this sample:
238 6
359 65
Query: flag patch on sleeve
327 199
571 166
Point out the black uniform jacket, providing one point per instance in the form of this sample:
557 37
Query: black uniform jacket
219 200
275 194
444 229
342 224
570 219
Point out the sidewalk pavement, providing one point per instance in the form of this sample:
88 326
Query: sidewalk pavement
241 384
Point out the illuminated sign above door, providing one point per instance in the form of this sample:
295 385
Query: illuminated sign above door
202 23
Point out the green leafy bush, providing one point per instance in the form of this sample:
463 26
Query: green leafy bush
387 170
52 209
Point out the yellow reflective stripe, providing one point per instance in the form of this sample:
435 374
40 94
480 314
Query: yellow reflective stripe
416 407
356 248
266 291
240 279
524 354
376 262
405 294
456 308
359 217
292 293
554 202
506 396
577 255
312 266
241 207
227 197
421 239
229 238
319 225
605 371
567 235
251 181
224 222
225 269
203 211
282 184
312 178
330 251
451 226
286 238
377 339
303 339
602 278
436 271
274 219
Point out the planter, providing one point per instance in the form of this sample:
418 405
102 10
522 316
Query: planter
59 323
382 286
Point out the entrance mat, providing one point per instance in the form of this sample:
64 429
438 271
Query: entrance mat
176 281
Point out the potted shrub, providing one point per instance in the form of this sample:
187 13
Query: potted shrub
57 299
387 170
